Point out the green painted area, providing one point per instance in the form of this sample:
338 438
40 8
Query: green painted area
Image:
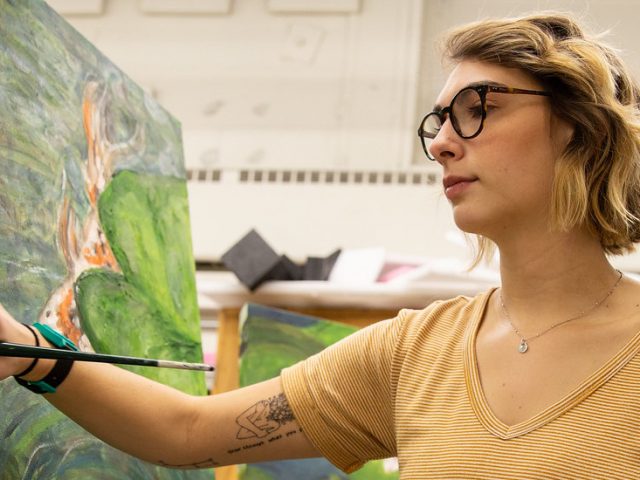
150 310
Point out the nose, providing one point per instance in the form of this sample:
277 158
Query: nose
447 144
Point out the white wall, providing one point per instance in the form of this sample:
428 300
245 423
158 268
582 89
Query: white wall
255 87
303 86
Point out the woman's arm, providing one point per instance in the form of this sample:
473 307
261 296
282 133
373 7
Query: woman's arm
165 426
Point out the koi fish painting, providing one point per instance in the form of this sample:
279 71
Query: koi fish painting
94 234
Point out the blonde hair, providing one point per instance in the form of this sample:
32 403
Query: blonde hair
597 176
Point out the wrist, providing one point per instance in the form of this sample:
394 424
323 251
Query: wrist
58 371
34 362
25 367
43 366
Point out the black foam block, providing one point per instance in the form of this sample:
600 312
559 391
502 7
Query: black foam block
319 268
285 269
278 272
296 272
251 259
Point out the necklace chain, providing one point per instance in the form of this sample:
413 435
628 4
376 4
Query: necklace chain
523 346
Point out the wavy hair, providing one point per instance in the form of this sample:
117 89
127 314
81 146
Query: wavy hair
597 177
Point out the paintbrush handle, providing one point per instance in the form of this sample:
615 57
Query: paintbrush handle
27 351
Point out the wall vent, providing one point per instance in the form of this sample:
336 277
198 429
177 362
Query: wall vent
334 177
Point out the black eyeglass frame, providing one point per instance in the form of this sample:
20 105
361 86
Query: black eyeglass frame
482 91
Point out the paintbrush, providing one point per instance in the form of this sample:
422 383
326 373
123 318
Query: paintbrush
8 349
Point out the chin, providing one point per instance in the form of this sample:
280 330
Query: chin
470 222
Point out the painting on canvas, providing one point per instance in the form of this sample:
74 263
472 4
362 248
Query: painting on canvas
94 233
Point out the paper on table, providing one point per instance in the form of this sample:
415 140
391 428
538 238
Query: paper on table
358 266
448 269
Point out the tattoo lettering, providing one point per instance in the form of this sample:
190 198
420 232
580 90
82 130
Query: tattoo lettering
208 463
264 417
269 440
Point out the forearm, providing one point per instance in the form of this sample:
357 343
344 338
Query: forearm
164 426
143 418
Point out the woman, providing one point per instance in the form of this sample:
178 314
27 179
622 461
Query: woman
537 133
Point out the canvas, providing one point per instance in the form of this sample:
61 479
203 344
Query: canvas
271 340
94 233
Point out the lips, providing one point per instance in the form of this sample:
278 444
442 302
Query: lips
451 180
455 185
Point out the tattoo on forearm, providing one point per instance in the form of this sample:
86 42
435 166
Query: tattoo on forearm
264 442
256 422
264 417
208 463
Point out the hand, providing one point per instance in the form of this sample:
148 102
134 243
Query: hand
12 331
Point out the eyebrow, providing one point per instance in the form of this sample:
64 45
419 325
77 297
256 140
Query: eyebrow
437 107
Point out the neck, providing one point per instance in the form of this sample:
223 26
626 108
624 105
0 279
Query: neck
546 281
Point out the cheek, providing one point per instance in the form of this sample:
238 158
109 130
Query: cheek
520 165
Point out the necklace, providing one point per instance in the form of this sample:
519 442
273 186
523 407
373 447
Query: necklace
523 346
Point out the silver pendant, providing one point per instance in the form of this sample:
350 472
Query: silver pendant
523 347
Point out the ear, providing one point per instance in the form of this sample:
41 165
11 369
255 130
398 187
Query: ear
562 132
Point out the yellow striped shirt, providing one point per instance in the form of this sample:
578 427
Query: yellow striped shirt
409 387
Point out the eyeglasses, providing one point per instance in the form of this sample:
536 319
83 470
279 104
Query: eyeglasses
467 112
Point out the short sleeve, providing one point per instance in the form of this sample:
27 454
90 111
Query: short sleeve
343 396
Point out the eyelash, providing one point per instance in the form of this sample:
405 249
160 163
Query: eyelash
476 111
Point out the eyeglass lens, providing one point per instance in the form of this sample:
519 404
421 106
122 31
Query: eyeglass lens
467 112
465 115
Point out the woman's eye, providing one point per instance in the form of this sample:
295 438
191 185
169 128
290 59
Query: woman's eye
475 111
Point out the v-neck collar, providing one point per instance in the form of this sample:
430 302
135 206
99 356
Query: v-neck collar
479 402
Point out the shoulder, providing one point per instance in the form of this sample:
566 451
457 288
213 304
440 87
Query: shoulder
442 322
446 312
439 315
